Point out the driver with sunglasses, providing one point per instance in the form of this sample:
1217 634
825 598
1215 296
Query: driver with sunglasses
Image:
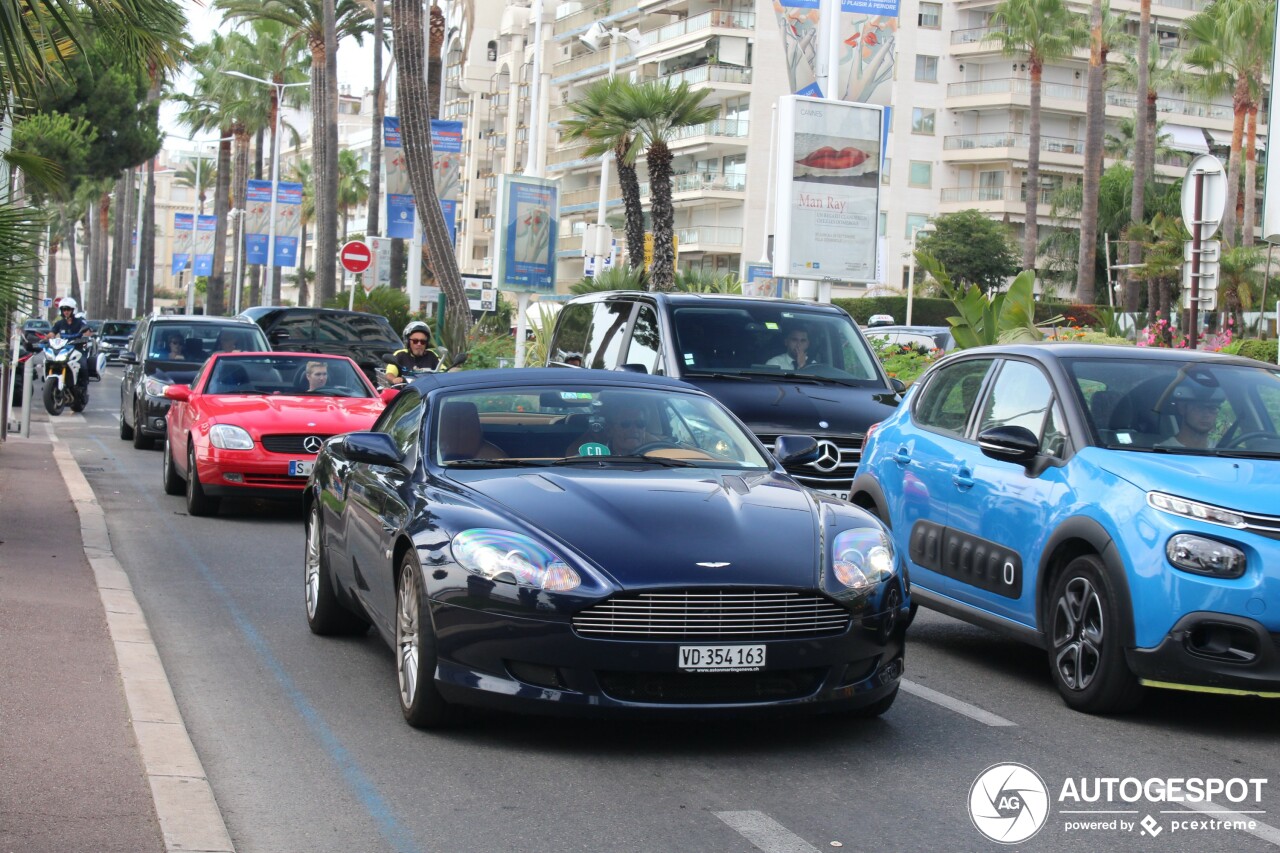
417 357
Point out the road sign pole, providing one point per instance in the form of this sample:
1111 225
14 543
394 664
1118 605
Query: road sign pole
1196 231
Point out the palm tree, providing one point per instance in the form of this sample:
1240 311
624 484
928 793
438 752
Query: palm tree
1095 119
1046 31
302 173
591 110
1122 144
199 174
305 20
353 187
1238 276
1230 49
373 226
415 134
651 114
1144 139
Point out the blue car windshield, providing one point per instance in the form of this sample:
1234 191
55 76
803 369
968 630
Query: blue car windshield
580 424
1183 407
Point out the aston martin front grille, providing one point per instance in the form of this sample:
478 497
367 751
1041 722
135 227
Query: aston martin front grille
712 614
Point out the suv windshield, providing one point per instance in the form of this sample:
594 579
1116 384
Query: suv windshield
118 328
1189 407
772 340
192 343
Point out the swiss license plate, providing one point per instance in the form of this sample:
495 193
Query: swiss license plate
300 469
721 658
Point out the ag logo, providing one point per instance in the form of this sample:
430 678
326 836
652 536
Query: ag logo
1008 803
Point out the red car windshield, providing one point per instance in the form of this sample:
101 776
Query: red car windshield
286 374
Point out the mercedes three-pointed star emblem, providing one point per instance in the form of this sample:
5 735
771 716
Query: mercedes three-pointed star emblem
828 456
312 443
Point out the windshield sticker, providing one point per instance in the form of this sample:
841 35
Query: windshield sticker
769 324
1124 438
575 395
593 448
688 358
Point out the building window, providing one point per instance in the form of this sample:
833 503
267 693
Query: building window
921 174
915 221
930 16
926 69
884 223
884 171
922 121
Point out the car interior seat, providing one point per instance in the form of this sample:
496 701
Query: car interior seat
1102 405
193 349
230 379
462 435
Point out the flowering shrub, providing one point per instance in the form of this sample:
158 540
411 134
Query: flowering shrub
1163 334
903 361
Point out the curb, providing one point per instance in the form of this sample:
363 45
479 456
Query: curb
185 806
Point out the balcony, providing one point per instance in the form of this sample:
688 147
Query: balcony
1010 200
724 19
567 156
1000 146
735 129
1017 91
589 198
703 183
712 74
709 238
571 21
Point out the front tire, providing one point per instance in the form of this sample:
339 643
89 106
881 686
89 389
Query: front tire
140 441
420 701
126 431
325 614
1086 654
198 503
53 402
173 484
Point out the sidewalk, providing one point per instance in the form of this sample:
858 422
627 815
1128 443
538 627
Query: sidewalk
93 753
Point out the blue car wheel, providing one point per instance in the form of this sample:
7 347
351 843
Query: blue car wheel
1086 656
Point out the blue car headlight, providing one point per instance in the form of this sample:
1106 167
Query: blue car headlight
1204 556
862 558
501 555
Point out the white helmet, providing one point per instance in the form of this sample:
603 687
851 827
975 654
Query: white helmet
68 302
417 326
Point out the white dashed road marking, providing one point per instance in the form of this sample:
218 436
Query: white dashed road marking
766 833
1266 832
973 712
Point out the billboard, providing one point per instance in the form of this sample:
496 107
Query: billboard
446 171
257 217
396 174
206 229
527 224
828 190
868 30
288 223
257 222
183 225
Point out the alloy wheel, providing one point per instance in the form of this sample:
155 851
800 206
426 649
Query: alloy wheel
1078 633
407 637
313 561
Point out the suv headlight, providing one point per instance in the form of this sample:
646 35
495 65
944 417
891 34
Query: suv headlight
862 558
153 387
1204 556
228 437
500 555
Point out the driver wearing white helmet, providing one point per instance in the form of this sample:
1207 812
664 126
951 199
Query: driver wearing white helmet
416 357
72 325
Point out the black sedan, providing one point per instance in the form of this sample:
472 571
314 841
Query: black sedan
597 542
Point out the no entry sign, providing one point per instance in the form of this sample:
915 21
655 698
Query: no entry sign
355 256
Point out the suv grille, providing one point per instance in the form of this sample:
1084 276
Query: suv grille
712 614
289 443
834 469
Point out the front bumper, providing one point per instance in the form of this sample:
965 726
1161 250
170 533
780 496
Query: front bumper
1213 651
540 666
249 474
151 422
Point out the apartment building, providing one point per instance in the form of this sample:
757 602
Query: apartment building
958 139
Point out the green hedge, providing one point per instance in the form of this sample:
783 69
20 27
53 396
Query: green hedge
934 312
1261 350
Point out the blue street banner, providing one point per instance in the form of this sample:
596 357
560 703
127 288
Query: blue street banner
257 217
183 225
288 223
400 210
760 281
527 217
446 169
206 229
868 32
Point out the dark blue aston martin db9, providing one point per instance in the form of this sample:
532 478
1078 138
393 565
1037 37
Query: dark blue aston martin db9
592 541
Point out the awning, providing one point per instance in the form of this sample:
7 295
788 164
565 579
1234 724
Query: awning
1183 138
1220 137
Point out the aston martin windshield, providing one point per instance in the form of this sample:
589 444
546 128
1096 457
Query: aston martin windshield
580 424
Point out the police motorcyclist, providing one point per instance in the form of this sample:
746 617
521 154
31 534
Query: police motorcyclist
73 326
417 355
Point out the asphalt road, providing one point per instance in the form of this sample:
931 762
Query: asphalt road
305 747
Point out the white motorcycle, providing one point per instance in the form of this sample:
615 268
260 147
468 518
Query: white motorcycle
64 358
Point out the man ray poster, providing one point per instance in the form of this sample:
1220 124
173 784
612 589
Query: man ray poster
828 190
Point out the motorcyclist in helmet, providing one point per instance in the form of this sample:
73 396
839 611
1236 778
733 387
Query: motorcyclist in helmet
72 325
417 355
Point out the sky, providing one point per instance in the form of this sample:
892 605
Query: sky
355 68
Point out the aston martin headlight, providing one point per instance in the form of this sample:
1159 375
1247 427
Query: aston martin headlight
862 558
1175 505
228 437
154 387
500 555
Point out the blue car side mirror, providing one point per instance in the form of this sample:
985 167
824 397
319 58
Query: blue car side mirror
1009 443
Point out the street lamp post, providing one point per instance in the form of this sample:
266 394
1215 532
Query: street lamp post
927 228
593 38
275 171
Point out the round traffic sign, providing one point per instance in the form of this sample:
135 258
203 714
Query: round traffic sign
1213 199
355 256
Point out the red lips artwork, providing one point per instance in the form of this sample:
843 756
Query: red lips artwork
827 157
